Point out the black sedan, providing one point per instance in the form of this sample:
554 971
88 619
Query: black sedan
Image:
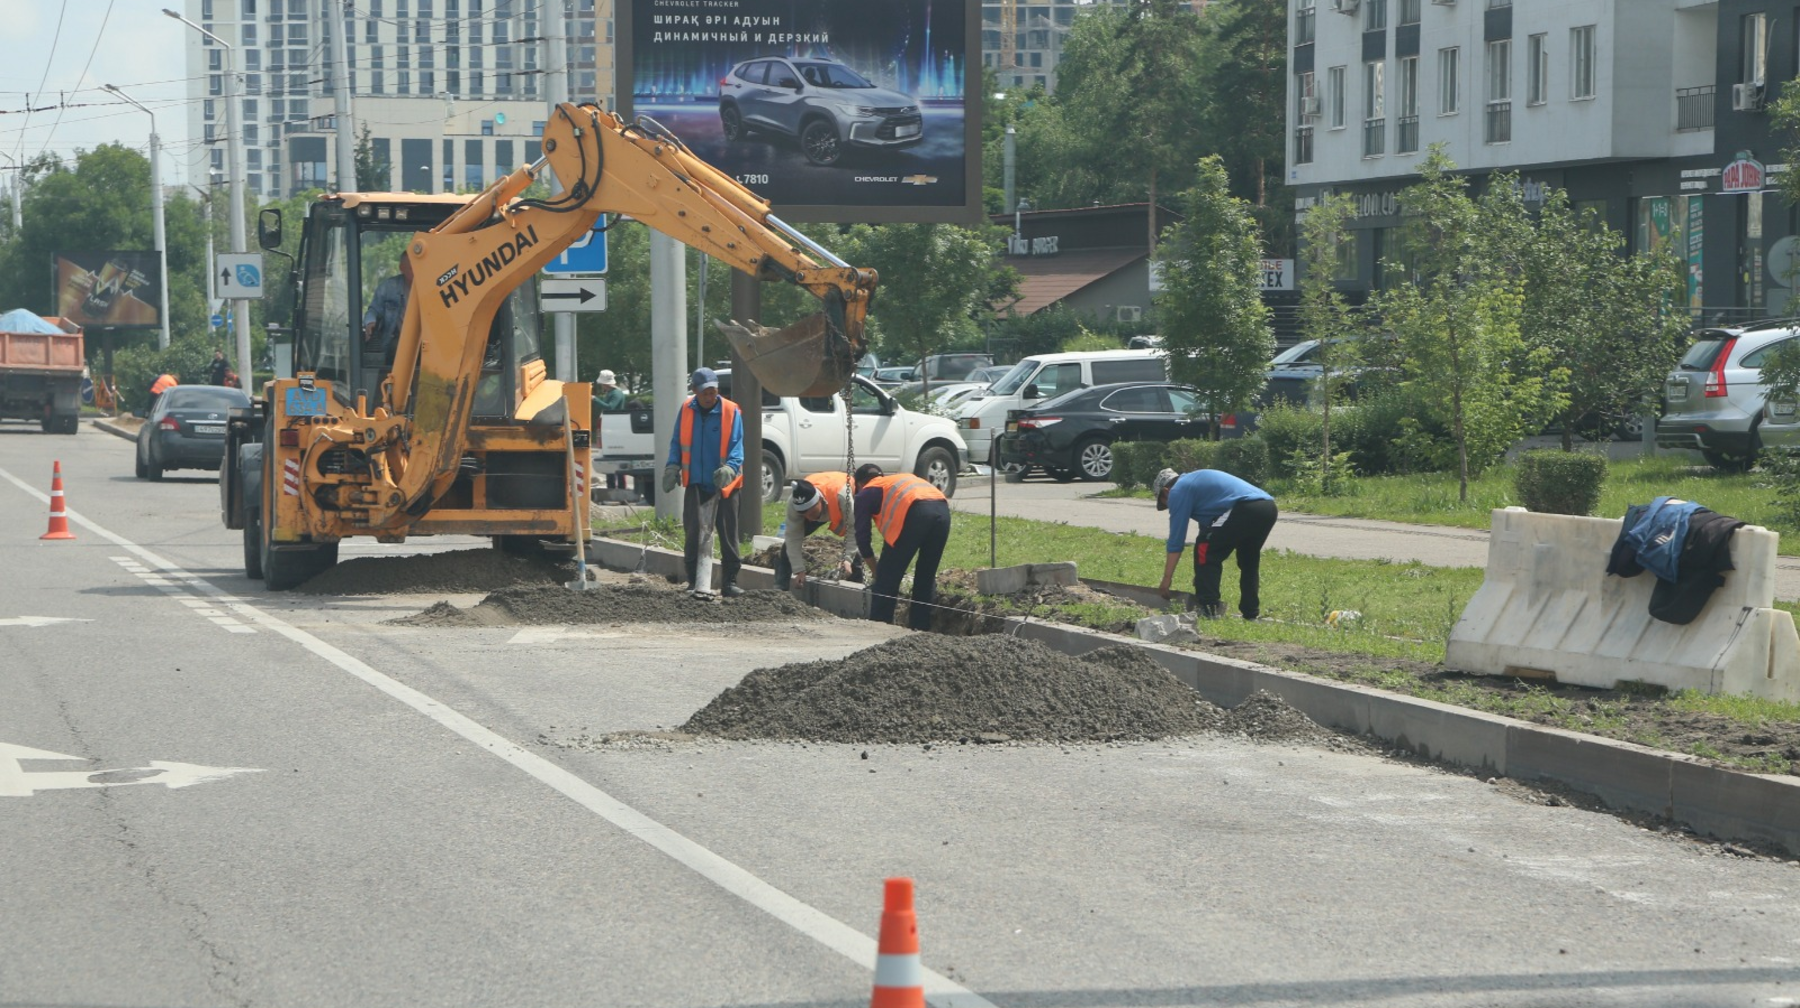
186 430
1071 436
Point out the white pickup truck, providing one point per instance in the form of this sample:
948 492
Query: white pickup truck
802 436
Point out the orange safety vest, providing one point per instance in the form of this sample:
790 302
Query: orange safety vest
727 419
832 484
163 384
898 492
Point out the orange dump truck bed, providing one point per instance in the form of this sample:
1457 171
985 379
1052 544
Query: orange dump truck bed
40 376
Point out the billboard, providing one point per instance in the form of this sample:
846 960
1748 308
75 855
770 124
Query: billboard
108 289
832 110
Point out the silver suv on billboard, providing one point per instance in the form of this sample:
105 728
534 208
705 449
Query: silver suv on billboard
826 106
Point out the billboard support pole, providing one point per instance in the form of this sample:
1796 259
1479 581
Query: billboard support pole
156 216
746 388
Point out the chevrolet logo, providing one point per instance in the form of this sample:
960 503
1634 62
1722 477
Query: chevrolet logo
918 180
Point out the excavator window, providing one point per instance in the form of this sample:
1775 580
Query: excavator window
323 337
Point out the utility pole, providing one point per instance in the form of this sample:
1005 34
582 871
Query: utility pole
339 27
668 353
556 91
156 215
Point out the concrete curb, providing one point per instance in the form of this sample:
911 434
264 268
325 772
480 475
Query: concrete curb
1722 803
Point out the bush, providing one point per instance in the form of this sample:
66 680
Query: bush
1136 464
1558 482
188 358
1388 438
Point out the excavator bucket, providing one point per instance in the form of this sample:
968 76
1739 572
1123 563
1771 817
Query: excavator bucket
809 358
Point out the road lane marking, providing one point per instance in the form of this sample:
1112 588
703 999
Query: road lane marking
809 921
175 583
40 621
16 782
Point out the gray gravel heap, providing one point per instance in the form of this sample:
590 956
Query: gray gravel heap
470 570
542 605
931 688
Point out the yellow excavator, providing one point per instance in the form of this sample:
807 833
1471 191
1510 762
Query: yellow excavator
451 424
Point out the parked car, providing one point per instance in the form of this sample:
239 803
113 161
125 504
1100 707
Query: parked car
952 366
1045 376
186 430
1295 371
1071 436
949 395
1715 401
828 107
892 377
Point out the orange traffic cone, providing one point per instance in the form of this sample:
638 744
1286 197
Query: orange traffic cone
899 975
59 519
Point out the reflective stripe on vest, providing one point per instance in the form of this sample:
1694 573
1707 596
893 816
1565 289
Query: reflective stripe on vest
898 492
728 412
832 485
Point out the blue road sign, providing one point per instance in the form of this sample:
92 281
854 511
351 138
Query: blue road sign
585 256
217 321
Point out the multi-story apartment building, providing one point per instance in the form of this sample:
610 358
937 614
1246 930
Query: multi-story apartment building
450 90
1037 29
1652 113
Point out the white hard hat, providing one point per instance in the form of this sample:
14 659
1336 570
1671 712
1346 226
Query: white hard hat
608 378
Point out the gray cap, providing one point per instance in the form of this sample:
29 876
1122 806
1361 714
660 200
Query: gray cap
1163 481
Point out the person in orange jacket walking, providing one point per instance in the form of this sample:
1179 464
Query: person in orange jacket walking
163 383
914 519
706 455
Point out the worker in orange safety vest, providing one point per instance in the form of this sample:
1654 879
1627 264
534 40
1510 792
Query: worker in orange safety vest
821 500
163 383
914 519
706 455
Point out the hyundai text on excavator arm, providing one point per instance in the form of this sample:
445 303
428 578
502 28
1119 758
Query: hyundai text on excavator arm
450 424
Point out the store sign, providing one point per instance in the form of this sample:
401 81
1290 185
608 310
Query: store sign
1020 245
1275 275
1744 175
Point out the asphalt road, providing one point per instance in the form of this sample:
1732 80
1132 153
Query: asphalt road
1314 535
411 816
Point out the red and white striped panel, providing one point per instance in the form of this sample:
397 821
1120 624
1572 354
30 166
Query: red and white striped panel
290 477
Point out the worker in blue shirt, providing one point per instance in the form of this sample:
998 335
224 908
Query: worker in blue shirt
1234 516
706 455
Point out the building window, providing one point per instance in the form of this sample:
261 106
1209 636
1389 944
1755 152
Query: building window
1449 91
487 127
1754 49
1409 11
1537 70
1409 106
1499 91
1374 109
1374 15
1334 93
1305 21
1581 60
1306 96
1303 145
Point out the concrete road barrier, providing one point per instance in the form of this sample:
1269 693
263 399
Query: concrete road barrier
1548 607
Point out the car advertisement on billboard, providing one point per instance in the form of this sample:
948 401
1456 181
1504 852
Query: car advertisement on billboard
839 110
108 289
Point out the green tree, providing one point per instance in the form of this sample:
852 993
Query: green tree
1325 315
1215 325
1130 86
373 174
1246 91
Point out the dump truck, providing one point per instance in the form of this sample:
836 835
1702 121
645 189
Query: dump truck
40 371
451 423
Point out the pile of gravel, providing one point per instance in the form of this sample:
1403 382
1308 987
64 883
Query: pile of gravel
928 688
470 570
540 605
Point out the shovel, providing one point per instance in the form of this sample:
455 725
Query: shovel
703 547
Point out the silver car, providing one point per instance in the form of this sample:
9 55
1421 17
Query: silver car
1714 400
826 106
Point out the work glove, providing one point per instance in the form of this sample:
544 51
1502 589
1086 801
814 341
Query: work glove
671 478
723 476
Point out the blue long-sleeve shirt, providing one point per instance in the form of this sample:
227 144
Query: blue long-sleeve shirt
704 456
1203 495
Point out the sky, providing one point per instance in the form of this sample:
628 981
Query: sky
61 52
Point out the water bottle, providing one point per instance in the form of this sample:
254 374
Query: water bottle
782 531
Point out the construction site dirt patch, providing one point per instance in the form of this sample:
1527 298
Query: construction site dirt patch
541 605
454 572
932 688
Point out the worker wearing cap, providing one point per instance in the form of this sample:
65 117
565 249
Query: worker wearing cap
914 519
1234 516
608 396
706 455
822 500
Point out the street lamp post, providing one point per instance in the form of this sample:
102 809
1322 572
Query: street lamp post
234 158
206 223
156 210
18 183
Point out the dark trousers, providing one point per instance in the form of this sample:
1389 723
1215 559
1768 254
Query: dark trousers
725 534
1244 530
925 533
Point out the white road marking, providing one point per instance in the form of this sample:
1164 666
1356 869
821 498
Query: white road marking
807 920
171 582
552 634
40 621
15 782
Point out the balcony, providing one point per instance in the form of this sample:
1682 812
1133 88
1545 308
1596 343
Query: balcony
1694 108
1408 140
1303 145
1499 122
1374 137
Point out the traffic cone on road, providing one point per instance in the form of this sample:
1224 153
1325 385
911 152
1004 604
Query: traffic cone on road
59 518
899 974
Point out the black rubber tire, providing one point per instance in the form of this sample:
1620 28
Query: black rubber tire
773 475
253 544
66 423
1734 463
819 142
937 466
519 545
1094 460
137 464
284 569
731 123
153 472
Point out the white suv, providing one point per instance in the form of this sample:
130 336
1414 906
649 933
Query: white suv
1714 401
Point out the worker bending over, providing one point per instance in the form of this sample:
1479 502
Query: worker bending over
914 519
1234 515
821 500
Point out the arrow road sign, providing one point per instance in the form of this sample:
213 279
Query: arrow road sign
16 783
238 276
37 621
572 294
